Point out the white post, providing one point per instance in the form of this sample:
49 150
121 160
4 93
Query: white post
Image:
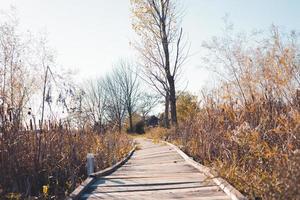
90 163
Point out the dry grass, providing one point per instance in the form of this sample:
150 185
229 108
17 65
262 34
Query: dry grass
157 134
56 159
257 151
260 161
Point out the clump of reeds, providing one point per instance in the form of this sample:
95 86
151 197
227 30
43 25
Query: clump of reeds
54 161
249 128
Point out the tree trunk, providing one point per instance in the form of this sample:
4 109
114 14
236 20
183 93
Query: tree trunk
120 126
130 121
170 77
166 115
173 101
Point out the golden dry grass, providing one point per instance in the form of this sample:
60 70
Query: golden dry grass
55 159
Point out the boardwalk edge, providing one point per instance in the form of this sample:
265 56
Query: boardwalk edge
233 193
75 195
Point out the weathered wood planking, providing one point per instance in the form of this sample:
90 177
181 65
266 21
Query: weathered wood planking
156 171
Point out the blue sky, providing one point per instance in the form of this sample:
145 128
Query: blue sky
90 35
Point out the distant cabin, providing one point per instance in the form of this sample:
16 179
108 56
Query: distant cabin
152 121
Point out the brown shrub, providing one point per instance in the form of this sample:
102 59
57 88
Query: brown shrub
261 161
249 128
56 158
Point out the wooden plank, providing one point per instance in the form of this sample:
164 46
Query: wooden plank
210 192
145 187
156 171
154 176
149 183
161 163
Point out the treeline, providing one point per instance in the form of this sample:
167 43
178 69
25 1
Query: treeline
116 101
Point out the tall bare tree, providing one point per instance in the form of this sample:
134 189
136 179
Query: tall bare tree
115 109
147 103
94 103
160 84
127 78
157 23
16 79
114 97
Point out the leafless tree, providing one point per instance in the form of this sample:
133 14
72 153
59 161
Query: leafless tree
94 103
161 48
115 107
160 84
147 103
127 78
16 80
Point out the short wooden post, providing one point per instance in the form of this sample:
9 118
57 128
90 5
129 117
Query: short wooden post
90 163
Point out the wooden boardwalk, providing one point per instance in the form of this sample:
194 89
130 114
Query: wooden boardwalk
155 171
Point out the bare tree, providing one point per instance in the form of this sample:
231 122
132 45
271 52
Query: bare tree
147 103
163 53
160 84
127 78
94 103
115 109
16 80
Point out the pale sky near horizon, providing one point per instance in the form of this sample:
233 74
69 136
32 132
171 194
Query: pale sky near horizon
90 35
